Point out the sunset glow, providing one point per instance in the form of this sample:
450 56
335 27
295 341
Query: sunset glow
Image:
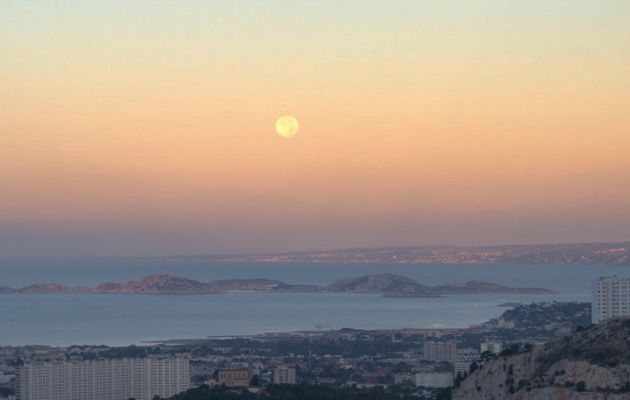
145 127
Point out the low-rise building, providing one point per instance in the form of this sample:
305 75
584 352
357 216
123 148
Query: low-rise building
434 379
235 377
400 379
493 347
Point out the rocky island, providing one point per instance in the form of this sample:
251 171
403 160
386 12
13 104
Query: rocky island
390 285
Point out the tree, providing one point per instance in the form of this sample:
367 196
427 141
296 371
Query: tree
458 379
473 367
487 355
581 386
255 381
444 394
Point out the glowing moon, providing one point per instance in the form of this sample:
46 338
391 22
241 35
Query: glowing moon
287 126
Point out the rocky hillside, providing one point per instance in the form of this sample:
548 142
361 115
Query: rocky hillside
158 284
392 285
591 364
378 283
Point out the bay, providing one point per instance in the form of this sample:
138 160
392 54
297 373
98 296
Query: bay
66 319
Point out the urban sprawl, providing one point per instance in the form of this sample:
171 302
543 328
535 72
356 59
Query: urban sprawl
411 362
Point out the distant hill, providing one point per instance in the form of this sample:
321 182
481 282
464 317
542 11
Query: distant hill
593 363
573 253
378 283
392 285
158 284
386 284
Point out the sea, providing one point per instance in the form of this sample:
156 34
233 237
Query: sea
117 320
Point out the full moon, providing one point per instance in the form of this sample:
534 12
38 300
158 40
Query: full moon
287 126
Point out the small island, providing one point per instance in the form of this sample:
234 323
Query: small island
389 285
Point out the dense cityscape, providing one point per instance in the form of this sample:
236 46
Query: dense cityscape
418 363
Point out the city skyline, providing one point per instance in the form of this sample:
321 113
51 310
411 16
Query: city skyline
148 128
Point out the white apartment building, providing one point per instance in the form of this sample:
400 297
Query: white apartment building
440 351
611 298
110 379
284 376
434 379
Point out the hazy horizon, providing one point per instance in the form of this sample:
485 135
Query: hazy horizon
146 128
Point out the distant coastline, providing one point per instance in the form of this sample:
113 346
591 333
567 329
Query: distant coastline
607 253
388 285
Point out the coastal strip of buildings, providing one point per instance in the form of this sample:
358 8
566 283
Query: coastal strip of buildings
107 379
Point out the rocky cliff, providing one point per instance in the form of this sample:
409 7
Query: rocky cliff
591 364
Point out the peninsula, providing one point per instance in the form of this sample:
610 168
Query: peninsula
617 253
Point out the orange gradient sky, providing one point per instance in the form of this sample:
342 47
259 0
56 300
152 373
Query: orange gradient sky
147 127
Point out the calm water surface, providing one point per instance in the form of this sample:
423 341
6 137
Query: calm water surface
63 319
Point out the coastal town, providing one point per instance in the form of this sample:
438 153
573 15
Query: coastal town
410 362
547 254
437 364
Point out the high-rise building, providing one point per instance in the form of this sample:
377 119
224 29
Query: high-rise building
109 379
284 376
440 351
611 298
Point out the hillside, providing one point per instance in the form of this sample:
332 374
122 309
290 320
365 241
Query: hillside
539 320
593 363
379 283
158 284
392 285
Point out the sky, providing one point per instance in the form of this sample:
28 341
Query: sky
147 127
